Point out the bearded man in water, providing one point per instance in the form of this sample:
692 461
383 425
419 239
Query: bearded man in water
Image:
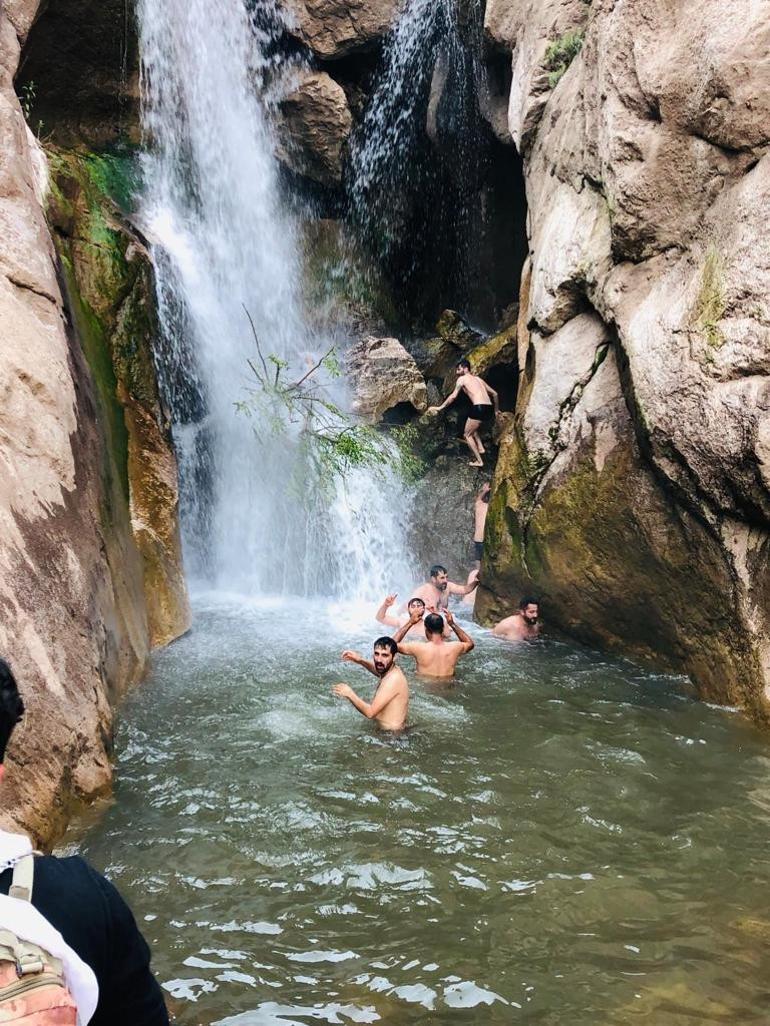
485 407
390 705
435 592
523 625
439 657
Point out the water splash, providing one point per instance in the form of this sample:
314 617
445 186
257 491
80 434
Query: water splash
223 241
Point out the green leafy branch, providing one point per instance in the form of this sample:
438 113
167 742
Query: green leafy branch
330 441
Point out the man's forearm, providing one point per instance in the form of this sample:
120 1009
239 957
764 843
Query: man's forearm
381 616
363 707
402 632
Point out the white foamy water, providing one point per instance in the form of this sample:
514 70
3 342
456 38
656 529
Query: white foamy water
223 244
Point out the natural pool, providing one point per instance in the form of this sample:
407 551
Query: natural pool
562 839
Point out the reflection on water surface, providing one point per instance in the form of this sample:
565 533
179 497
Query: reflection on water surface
562 838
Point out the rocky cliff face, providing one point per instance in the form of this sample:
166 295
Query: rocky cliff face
633 492
75 622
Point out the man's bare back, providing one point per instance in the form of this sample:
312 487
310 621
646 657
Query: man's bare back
438 657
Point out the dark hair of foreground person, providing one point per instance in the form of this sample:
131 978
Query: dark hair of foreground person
89 913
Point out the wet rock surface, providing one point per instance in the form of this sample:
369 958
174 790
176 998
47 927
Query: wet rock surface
384 376
313 125
336 28
647 173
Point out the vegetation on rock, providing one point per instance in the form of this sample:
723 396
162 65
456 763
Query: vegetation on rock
561 53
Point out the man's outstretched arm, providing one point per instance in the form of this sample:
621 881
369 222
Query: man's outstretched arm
464 589
447 402
358 659
385 695
465 639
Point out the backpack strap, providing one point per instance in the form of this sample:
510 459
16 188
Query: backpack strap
23 878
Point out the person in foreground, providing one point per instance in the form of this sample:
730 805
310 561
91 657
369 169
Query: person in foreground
75 915
390 705
485 407
439 657
521 626
435 592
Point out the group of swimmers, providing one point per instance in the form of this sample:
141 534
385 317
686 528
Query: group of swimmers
434 649
428 619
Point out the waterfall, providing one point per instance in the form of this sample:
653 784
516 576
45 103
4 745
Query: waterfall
223 242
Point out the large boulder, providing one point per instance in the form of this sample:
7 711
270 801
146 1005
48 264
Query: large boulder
638 464
314 122
384 376
335 28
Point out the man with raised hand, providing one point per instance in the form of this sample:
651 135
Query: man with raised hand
390 705
439 657
435 592
74 914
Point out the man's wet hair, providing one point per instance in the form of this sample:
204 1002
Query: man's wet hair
11 706
528 601
434 624
437 569
386 642
415 601
465 364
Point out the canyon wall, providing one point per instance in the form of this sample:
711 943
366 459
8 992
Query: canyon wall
632 493
80 566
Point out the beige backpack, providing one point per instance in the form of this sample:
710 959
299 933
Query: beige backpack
32 987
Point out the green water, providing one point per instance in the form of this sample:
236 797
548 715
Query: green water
562 839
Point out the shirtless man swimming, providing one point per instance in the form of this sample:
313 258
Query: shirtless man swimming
485 407
390 705
382 615
523 625
439 657
437 590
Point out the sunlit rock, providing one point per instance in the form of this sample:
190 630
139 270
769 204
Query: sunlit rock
333 28
384 376
314 124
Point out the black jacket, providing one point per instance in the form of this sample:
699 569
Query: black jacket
97 923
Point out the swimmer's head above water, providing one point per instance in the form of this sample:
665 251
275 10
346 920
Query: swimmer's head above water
415 603
530 610
434 624
385 651
439 576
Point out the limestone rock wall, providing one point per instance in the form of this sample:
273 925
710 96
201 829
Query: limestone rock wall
74 621
633 491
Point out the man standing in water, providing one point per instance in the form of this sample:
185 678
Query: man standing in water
484 409
523 625
382 615
439 657
435 592
390 705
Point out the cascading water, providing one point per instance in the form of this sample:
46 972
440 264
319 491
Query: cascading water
223 245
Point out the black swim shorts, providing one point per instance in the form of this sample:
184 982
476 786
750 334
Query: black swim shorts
482 413
479 549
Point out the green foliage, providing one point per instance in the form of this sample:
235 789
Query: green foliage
330 441
561 53
711 298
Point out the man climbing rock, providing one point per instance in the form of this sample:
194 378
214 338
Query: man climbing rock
485 407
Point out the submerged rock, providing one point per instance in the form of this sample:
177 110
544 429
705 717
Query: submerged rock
383 376
314 123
